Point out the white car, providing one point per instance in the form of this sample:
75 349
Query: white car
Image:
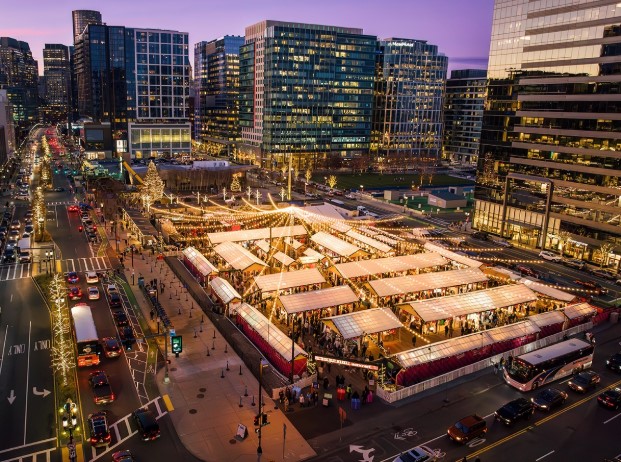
550 256
93 293
91 277
111 288
418 454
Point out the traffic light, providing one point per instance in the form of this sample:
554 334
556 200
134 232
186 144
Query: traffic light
176 344
264 419
256 420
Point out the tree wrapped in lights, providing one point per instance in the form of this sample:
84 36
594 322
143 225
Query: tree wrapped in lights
63 359
152 188
39 213
308 175
332 181
235 184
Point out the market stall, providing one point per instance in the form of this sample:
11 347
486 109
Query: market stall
237 258
288 281
549 323
370 244
338 248
577 314
461 260
196 263
389 266
225 294
333 298
547 291
250 235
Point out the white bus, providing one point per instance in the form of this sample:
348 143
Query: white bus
531 370
85 335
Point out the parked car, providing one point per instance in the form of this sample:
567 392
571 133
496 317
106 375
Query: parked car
127 335
574 263
111 347
114 299
526 270
147 425
514 410
102 391
98 429
604 274
481 236
584 381
120 318
467 428
614 362
610 398
550 256
417 454
549 398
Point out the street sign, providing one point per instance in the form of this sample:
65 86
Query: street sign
176 344
172 332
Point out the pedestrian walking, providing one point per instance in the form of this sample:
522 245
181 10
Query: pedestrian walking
152 314
348 391
286 404
446 329
301 399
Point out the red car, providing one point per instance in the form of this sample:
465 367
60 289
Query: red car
75 293
73 208
72 277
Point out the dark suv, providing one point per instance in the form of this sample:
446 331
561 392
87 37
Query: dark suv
467 428
147 425
519 408
114 300
584 381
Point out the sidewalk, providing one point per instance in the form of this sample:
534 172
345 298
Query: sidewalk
210 400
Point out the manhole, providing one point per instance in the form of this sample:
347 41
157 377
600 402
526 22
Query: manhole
232 441
200 395
193 411
202 390
173 369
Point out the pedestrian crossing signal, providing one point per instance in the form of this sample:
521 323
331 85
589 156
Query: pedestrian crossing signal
176 343
256 420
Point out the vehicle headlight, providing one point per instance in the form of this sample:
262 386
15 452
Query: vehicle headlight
608 361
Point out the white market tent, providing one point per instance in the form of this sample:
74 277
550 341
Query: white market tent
334 244
224 290
435 309
443 349
548 291
317 299
283 258
268 331
549 318
199 262
293 243
236 256
373 243
310 256
512 331
452 255
320 213
263 245
358 323
256 234
288 279
578 310
340 227
355 269
427 281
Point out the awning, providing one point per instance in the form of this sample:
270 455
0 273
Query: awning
427 281
444 349
198 261
283 258
386 265
353 325
263 245
549 318
578 310
236 256
334 244
224 290
452 255
512 331
371 242
435 309
288 279
256 234
317 299
548 291
340 227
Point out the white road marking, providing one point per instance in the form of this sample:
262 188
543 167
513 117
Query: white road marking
15 448
611 419
6 333
544 456
27 379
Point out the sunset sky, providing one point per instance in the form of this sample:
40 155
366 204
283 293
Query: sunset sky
461 28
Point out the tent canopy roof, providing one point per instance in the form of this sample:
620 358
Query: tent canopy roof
336 245
578 310
434 309
371 242
549 318
389 264
288 279
199 261
353 325
317 299
547 290
256 234
236 256
452 255
224 290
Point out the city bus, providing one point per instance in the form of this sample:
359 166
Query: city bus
85 335
531 370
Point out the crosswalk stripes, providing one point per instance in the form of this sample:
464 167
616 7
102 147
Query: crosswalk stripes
85 264
60 203
15 271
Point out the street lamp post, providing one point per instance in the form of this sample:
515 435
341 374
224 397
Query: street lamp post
70 422
259 448
48 256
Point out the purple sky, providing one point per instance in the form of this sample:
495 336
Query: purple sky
461 28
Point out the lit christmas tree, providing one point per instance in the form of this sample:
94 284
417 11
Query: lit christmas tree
235 184
63 359
153 187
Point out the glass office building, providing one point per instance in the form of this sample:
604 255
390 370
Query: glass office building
57 72
408 107
463 116
550 160
306 92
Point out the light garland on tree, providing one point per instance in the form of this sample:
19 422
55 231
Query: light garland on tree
62 352
152 188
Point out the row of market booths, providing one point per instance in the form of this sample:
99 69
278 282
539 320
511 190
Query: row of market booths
423 363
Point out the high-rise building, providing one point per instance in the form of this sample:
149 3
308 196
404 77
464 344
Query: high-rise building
216 76
463 116
57 72
138 80
7 131
19 77
306 92
407 112
81 19
549 169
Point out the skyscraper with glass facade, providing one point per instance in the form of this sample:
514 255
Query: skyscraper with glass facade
549 169
57 72
463 116
409 92
81 19
216 75
306 92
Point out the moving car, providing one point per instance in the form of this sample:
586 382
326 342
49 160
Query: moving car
111 346
550 256
574 263
120 318
147 425
114 299
611 398
73 208
549 398
123 456
417 454
480 235
9 255
591 285
72 277
584 381
467 428
102 391
514 410
98 429
527 270
604 274
75 293
93 293
92 277
127 334
111 288
614 362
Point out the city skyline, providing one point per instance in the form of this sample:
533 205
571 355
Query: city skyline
462 32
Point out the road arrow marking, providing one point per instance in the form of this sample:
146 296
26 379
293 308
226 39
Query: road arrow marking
43 393
397 437
366 457
12 397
